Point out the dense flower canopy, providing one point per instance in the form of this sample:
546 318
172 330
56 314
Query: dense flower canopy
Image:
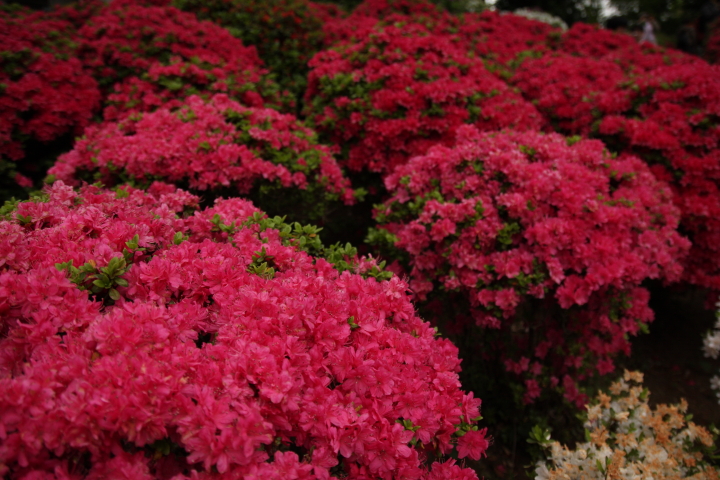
522 187
44 89
504 218
146 55
142 342
207 146
402 89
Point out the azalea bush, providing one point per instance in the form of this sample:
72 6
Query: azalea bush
44 92
664 110
402 89
573 92
160 316
144 57
674 126
213 146
626 438
503 40
547 238
286 33
591 41
211 346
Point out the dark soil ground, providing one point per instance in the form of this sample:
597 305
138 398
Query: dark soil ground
671 355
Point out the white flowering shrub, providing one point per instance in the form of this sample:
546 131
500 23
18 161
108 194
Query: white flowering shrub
542 17
628 440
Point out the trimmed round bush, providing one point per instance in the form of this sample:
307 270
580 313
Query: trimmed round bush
674 125
286 33
44 91
401 89
503 39
547 238
215 146
141 344
573 92
160 53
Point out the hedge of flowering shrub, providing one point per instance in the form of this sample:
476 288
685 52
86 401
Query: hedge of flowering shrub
590 41
400 90
502 40
665 110
44 91
160 54
573 92
210 146
77 13
384 8
286 33
140 344
674 126
372 14
506 218
626 438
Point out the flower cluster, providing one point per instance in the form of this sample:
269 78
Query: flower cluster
628 439
287 33
140 344
507 218
44 91
77 13
210 145
160 53
659 105
674 125
590 41
400 89
502 40
387 8
711 347
573 92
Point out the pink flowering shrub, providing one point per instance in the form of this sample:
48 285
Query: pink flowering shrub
78 12
140 344
573 92
585 41
44 91
401 89
508 218
674 126
286 33
666 115
147 56
592 41
211 146
411 8
502 40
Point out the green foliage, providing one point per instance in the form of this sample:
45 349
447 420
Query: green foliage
305 238
286 33
102 282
